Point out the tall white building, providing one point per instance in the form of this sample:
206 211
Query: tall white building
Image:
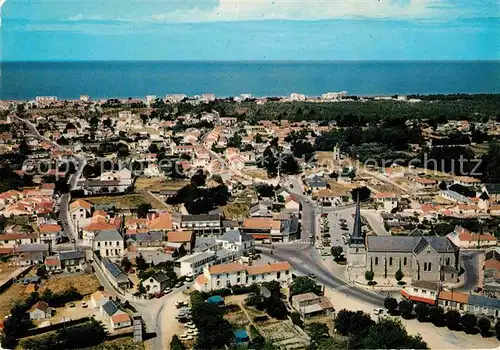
297 97
173 98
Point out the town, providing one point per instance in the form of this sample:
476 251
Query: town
293 222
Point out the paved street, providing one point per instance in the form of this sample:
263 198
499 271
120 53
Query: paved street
470 261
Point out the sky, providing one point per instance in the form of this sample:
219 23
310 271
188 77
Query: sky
62 30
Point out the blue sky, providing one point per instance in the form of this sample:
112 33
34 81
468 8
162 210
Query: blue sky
250 30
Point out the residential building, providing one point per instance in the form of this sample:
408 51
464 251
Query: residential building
203 224
115 317
50 233
74 261
422 182
115 275
192 265
99 298
309 304
40 311
157 283
421 292
235 241
109 244
224 275
493 191
481 305
389 200
186 238
453 300
146 240
463 238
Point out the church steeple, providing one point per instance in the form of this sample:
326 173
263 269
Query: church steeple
357 236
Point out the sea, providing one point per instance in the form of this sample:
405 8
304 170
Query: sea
123 79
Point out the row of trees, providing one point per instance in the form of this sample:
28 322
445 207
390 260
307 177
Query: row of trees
467 322
199 200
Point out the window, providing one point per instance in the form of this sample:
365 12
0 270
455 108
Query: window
425 266
218 283
485 310
376 260
447 261
461 306
404 261
476 308
429 267
415 290
253 278
98 244
238 280
446 303
433 294
390 261
424 291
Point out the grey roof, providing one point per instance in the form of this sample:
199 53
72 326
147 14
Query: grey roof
151 236
230 223
160 277
408 244
197 257
204 243
201 217
480 300
114 270
110 307
425 285
72 255
35 247
416 233
233 236
290 226
108 235
357 236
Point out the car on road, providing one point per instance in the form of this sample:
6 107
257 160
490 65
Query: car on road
311 236
188 278
312 276
345 228
179 284
84 305
378 311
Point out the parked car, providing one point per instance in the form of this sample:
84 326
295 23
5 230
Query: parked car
84 305
180 303
378 311
179 284
312 276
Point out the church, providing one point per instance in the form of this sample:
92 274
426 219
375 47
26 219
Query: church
423 258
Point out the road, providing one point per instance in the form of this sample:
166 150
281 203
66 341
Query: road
64 216
471 262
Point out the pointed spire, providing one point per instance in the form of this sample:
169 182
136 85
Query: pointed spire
357 235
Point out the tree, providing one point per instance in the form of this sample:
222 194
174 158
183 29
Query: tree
331 343
484 325
337 252
141 263
453 320
126 264
391 304
199 178
390 333
143 210
317 331
42 272
265 190
352 323
469 322
176 343
369 276
363 192
406 308
422 311
234 141
303 284
399 275
436 314
296 319
196 299
497 329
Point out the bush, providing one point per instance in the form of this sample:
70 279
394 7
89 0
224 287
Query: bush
453 320
484 326
406 308
391 304
295 316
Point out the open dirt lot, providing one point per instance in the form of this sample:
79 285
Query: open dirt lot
128 201
156 184
85 284
11 296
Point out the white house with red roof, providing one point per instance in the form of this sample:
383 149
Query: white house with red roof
463 238
388 199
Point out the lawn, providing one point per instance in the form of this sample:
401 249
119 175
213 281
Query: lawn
236 211
156 184
85 284
128 201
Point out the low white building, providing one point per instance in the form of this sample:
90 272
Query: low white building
236 273
388 199
156 283
192 265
